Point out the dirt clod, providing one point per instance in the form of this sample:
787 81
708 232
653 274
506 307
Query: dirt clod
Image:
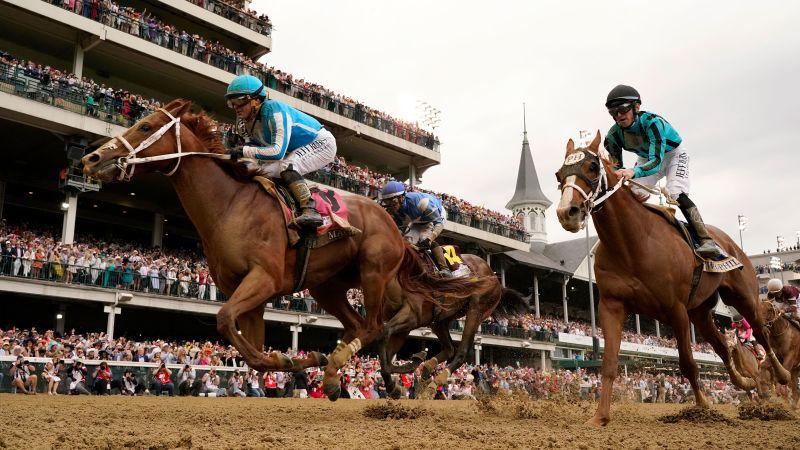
752 411
392 410
695 414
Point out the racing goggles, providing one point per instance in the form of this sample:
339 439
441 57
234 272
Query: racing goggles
238 102
391 201
620 109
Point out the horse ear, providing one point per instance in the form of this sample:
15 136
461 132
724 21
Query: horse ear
178 107
595 145
570 146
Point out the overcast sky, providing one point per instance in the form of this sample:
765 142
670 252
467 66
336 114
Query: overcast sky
725 74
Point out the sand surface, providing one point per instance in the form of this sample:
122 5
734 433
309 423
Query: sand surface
68 422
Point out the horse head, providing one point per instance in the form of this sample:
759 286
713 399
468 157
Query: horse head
768 312
584 171
730 337
142 143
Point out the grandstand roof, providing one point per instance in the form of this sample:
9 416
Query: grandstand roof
572 252
528 189
536 260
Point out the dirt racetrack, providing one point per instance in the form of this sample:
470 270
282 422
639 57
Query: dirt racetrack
66 422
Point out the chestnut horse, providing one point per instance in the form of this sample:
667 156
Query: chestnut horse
243 234
414 311
744 361
785 339
644 266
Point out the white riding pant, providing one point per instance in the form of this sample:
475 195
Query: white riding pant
311 157
420 231
675 168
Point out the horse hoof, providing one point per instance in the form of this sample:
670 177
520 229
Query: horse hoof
419 356
597 422
425 374
332 392
395 393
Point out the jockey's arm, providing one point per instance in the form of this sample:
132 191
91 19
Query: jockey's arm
279 131
614 151
655 155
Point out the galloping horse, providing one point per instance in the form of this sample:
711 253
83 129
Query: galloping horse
744 360
243 234
785 339
414 311
643 266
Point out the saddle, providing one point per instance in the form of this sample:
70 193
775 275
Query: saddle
330 205
723 264
452 255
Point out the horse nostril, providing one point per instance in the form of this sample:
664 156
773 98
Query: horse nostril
93 158
573 211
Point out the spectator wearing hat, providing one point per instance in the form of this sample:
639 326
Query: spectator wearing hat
23 376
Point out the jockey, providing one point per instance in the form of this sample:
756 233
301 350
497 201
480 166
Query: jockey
785 296
660 153
745 334
426 217
277 140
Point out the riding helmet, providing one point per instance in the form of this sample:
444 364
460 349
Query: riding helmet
245 85
393 189
774 285
621 94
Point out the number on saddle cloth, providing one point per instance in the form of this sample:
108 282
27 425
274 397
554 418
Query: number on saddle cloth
452 256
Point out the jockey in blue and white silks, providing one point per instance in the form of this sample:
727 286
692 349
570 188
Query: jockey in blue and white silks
661 154
424 215
278 141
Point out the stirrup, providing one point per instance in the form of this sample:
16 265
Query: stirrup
445 273
309 219
709 250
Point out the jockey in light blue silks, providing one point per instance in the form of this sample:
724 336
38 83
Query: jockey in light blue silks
661 155
275 140
425 217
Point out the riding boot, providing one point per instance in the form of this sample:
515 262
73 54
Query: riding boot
708 248
438 256
310 217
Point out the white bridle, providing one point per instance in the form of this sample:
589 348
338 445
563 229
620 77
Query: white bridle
593 198
131 160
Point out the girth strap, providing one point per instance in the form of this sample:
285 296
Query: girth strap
301 263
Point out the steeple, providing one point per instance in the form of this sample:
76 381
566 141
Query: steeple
529 201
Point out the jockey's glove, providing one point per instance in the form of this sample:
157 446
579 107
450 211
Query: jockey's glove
424 244
236 152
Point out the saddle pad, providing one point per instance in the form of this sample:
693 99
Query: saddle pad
724 263
330 205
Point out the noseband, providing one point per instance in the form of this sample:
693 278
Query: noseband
131 159
599 190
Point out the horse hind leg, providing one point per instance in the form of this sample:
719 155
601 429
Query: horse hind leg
389 347
795 388
442 331
704 322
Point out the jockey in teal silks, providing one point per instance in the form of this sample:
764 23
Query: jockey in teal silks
425 217
661 154
275 140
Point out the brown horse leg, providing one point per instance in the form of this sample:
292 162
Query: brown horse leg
704 322
253 291
612 315
442 331
471 325
389 348
333 298
680 326
251 324
795 389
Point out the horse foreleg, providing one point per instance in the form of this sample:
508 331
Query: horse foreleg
680 326
612 315
244 306
795 388
471 325
389 348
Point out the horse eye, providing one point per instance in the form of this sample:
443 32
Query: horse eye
145 127
594 167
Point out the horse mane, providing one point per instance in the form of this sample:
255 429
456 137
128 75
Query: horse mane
206 130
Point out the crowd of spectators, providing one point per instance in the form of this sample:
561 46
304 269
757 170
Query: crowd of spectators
147 25
237 12
72 355
785 267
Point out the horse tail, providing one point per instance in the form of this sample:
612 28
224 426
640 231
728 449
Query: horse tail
512 303
414 278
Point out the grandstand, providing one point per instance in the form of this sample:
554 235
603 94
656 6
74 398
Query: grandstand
71 79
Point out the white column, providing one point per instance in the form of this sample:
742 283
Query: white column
502 274
489 260
70 215
544 359
60 318
112 312
658 329
296 329
536 294
412 175
564 298
694 339
638 325
77 60
158 230
477 354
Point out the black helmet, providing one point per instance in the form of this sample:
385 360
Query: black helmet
621 94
